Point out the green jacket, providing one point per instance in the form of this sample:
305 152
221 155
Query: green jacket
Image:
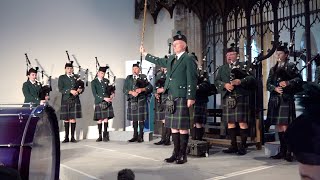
223 77
99 89
31 92
317 75
181 76
130 85
66 84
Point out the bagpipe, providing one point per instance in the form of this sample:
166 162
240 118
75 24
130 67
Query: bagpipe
81 80
45 89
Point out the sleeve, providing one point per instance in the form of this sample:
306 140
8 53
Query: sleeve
156 60
125 86
218 81
247 81
62 87
297 80
270 86
192 78
317 75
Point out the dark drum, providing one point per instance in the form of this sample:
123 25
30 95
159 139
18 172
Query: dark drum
29 141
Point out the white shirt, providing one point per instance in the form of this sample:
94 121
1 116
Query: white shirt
179 55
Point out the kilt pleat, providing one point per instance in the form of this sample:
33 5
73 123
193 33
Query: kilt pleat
100 113
160 115
282 113
70 110
200 112
140 114
238 114
180 119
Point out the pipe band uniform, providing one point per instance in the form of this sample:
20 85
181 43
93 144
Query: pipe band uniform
70 86
282 83
234 83
137 88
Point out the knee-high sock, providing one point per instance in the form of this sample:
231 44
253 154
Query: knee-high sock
73 129
105 126
66 128
100 128
244 135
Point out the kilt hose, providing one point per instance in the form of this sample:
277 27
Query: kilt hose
140 114
238 114
281 111
180 119
70 110
160 113
100 113
200 112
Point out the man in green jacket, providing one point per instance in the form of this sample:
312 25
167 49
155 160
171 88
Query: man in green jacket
234 91
137 88
180 85
70 87
103 94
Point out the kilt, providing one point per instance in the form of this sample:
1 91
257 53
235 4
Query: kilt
281 112
200 112
100 114
141 113
180 119
238 114
160 115
70 111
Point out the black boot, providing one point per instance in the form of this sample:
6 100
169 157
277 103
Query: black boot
73 129
66 128
135 132
182 157
105 132
141 127
167 141
176 149
233 148
100 131
163 136
242 150
288 156
283 148
193 133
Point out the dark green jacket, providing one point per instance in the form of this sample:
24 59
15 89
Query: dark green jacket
223 77
31 92
181 76
66 84
130 85
317 75
99 89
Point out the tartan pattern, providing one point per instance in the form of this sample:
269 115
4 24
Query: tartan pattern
100 113
283 114
141 113
160 115
70 111
200 112
180 119
238 114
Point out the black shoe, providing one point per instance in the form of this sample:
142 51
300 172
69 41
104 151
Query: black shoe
230 150
106 137
99 139
73 140
242 150
170 159
65 140
182 159
277 156
134 139
288 157
159 143
140 140
167 142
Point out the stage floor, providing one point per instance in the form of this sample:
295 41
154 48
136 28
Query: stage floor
88 160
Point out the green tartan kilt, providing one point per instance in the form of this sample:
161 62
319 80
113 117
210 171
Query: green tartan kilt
100 114
180 119
140 114
160 115
200 113
70 111
281 112
238 114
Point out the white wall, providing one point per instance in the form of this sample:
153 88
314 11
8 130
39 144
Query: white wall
46 29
